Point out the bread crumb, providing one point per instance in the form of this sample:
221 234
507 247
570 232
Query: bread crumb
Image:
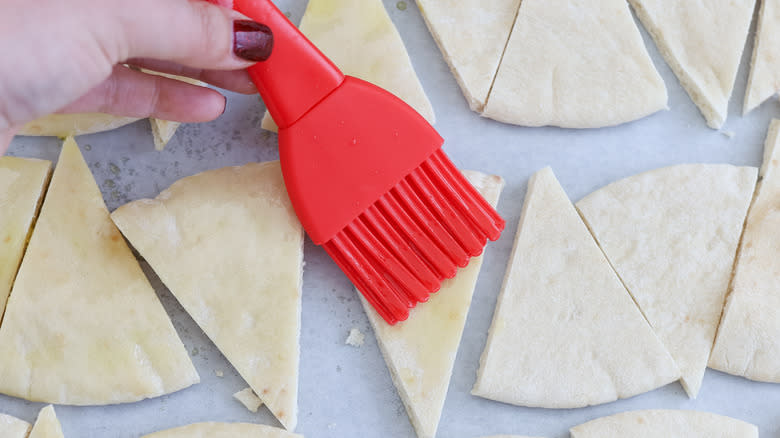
219 373
355 338
248 398
729 134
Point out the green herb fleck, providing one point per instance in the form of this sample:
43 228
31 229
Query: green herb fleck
401 6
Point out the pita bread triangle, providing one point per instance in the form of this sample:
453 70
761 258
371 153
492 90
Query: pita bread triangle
11 427
359 37
565 332
748 341
672 234
702 41
472 39
164 130
420 352
228 245
224 430
83 325
764 79
665 423
575 64
47 425
22 183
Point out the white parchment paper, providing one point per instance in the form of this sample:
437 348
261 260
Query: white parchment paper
346 391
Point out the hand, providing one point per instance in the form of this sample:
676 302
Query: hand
72 56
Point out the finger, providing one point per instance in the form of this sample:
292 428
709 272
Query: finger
136 94
197 34
233 80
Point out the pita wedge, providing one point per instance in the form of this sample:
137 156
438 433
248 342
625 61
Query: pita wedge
764 79
358 36
575 64
702 41
472 38
420 352
566 333
22 184
224 430
47 425
249 399
748 341
11 427
672 234
64 125
164 130
83 325
228 245
665 424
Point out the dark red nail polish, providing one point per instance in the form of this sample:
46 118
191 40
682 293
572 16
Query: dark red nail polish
252 41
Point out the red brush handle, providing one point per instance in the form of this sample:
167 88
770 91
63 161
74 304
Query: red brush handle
297 76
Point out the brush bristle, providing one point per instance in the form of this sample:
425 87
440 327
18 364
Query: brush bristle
414 237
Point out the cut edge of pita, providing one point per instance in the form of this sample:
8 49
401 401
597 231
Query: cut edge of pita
715 117
244 430
718 357
290 423
547 172
504 117
769 146
476 103
691 387
71 155
752 98
5 296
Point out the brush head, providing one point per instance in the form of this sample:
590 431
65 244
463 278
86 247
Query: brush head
366 175
415 236
369 182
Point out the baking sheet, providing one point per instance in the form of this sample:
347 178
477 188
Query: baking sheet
347 391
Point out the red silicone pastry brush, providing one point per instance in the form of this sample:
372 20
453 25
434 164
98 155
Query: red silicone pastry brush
366 174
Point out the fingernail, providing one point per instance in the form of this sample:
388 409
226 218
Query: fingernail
252 41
